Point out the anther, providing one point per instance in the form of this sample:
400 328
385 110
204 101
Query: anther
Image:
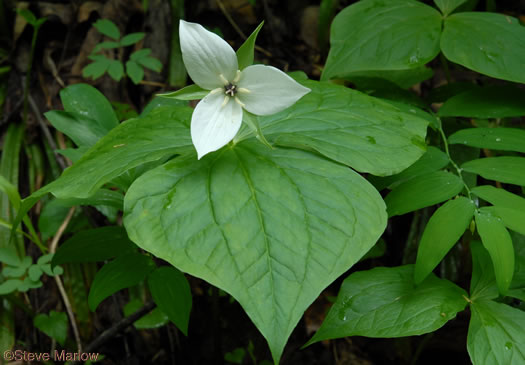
243 90
237 76
223 79
239 102
225 101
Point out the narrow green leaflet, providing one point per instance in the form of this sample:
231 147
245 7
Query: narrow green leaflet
171 292
498 243
382 35
93 245
506 169
54 325
503 139
489 43
245 52
483 283
384 302
508 206
443 230
448 6
495 334
434 159
422 191
123 272
350 127
191 92
90 103
272 227
517 287
132 143
487 102
82 130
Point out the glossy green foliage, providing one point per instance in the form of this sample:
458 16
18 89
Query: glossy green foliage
422 191
443 230
271 227
507 169
384 302
495 334
483 282
489 43
368 35
503 139
498 243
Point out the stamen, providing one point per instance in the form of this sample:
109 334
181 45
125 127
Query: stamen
239 102
223 79
237 77
225 101
215 91
243 90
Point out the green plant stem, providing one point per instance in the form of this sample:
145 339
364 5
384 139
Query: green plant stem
458 169
28 73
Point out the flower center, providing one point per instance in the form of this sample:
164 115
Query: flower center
230 89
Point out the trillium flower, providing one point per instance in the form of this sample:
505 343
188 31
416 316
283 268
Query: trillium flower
212 65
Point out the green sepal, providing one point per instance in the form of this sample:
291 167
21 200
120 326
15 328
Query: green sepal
191 92
245 52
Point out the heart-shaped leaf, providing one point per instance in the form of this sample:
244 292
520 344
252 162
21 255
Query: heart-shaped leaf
271 227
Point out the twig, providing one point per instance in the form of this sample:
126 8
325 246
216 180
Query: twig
46 131
67 303
230 19
119 326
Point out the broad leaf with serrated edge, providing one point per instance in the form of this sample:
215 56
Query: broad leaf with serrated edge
271 227
384 302
350 127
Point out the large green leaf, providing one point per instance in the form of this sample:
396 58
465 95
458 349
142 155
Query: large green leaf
90 103
384 302
272 227
382 35
123 272
443 230
487 102
134 142
498 243
422 191
171 292
506 169
489 43
504 139
350 127
495 334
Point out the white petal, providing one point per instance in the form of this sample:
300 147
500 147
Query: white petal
271 90
214 125
206 56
